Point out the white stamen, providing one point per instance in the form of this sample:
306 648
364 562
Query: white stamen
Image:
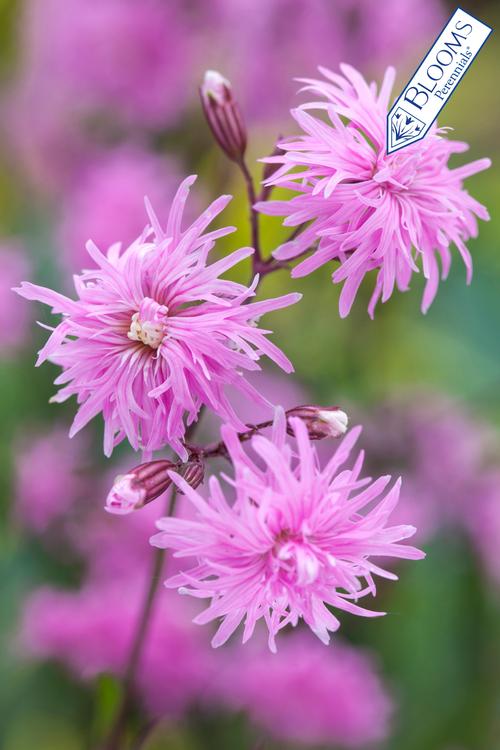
148 325
149 333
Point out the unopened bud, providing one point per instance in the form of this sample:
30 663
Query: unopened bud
223 115
139 486
321 421
193 472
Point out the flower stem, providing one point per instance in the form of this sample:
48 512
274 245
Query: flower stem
113 741
258 261
144 735
115 735
259 264
219 448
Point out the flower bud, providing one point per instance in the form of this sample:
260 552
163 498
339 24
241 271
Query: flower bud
321 421
193 472
223 115
139 486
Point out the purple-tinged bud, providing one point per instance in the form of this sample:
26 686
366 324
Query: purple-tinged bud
223 115
321 421
193 472
139 486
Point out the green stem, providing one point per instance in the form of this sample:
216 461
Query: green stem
115 735
113 740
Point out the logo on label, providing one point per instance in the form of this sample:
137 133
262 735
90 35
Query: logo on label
435 80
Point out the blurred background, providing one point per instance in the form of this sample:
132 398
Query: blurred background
99 107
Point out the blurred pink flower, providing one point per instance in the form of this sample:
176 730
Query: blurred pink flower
383 35
483 521
114 548
294 540
50 477
106 201
441 451
15 322
42 137
293 37
124 58
290 36
91 631
87 69
155 333
307 694
369 210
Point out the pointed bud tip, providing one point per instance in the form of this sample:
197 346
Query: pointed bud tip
215 86
139 486
336 419
321 421
125 496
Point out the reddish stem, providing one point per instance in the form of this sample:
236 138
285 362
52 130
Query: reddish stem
219 449
254 216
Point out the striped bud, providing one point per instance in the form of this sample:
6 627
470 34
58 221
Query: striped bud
321 421
223 115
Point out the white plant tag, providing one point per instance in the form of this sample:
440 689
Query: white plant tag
435 80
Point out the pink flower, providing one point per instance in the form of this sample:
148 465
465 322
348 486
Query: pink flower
368 210
15 319
50 478
155 333
297 537
306 694
106 201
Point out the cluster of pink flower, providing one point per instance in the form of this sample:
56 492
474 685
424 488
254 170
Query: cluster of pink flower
156 336
448 458
302 693
342 697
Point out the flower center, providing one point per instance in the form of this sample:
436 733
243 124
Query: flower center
148 325
296 558
395 174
